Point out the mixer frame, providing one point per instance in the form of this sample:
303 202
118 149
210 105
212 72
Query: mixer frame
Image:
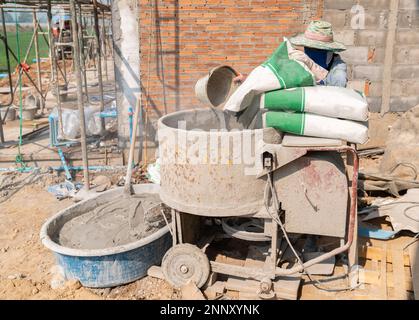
267 275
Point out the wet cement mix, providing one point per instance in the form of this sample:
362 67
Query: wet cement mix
119 222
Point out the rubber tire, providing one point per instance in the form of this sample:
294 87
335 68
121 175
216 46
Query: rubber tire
191 256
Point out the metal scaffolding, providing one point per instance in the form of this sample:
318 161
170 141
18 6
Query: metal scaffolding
89 44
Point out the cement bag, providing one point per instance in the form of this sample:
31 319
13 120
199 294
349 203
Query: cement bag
280 71
70 123
332 102
94 123
306 124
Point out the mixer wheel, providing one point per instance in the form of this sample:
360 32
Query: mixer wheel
185 262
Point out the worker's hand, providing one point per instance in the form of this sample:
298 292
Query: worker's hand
239 79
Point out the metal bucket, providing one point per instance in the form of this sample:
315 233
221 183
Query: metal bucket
109 267
32 101
11 113
217 86
29 113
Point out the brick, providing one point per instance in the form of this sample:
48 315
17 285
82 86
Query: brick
375 89
407 54
402 104
408 19
375 4
234 32
376 19
347 37
397 88
373 73
410 87
408 4
406 37
336 17
405 72
376 55
374 104
339 4
357 85
371 38
355 55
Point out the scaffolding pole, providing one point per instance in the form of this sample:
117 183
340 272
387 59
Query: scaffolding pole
99 54
38 60
76 53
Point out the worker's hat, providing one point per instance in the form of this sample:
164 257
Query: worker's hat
319 35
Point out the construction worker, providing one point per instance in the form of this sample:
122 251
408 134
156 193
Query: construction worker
317 42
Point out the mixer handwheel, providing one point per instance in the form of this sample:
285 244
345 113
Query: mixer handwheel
185 262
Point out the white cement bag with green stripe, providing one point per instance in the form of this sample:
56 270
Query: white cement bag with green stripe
278 72
306 124
332 102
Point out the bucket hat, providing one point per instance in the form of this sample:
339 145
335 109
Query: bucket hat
319 35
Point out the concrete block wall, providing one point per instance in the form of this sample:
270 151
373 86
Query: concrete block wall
367 49
182 40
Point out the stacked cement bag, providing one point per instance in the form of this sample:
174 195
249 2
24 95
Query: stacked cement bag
286 68
332 102
286 86
307 124
321 111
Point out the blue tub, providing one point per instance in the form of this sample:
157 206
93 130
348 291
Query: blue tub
106 267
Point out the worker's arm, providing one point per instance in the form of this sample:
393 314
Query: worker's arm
337 76
240 78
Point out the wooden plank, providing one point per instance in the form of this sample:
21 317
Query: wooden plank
373 277
216 290
248 296
229 260
191 292
375 253
414 261
383 274
285 288
398 275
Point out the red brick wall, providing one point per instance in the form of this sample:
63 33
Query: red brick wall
189 37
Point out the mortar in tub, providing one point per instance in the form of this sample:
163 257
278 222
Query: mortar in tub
109 267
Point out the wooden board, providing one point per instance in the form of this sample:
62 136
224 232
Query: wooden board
383 274
375 253
387 269
414 261
398 275
285 288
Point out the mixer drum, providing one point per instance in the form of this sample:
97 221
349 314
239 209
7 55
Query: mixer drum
313 189
201 172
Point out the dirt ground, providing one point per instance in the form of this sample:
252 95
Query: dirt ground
26 265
